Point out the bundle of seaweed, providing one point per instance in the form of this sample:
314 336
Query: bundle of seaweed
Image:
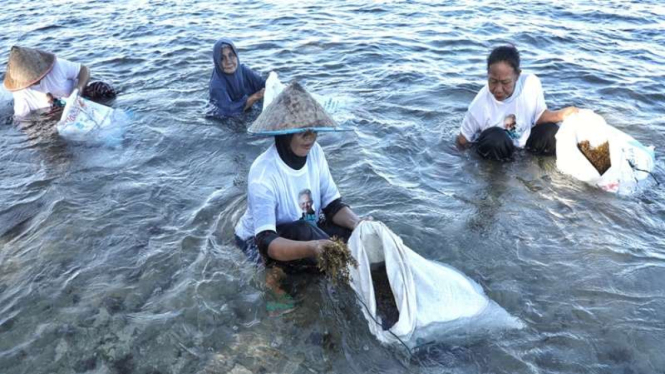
598 156
334 261
386 307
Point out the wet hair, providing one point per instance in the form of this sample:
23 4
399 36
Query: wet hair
505 53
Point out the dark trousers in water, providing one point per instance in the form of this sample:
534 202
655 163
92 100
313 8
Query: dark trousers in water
99 91
299 231
495 144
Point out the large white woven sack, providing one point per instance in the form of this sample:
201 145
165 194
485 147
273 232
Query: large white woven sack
434 301
631 161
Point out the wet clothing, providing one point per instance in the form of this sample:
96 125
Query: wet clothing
99 91
278 194
495 143
59 82
297 230
229 92
517 115
291 197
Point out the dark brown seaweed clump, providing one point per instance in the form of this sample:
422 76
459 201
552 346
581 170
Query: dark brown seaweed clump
599 156
335 261
386 308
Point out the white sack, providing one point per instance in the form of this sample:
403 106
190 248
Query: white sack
631 161
433 299
274 87
84 120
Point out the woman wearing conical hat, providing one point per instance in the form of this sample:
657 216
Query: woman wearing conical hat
37 78
234 87
293 204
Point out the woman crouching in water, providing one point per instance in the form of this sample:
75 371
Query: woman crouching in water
293 204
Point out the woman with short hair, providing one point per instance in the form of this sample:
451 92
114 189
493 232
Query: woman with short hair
510 112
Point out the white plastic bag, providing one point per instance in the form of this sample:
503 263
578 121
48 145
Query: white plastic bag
274 87
434 300
631 161
85 120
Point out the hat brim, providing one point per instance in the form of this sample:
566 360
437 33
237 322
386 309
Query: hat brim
298 130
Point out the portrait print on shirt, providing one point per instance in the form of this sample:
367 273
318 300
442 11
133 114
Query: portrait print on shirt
306 204
510 125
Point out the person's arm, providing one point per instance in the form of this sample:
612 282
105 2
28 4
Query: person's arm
345 217
83 78
554 116
254 98
255 83
282 249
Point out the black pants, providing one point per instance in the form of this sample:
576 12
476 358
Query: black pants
495 144
299 231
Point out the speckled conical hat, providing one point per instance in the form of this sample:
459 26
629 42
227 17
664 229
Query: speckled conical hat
27 66
293 111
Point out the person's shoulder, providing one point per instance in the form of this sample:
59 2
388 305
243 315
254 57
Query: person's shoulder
266 162
531 80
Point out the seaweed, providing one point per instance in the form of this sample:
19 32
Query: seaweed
386 307
335 260
598 156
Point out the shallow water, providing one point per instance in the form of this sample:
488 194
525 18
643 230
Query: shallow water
122 260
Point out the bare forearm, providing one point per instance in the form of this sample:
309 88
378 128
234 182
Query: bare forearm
282 249
83 78
346 218
553 116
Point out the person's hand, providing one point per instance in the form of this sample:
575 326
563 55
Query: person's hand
565 112
318 246
256 96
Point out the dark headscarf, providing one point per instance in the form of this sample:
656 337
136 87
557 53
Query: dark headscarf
229 92
283 144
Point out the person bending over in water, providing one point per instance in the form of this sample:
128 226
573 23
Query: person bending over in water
38 79
288 184
234 87
510 111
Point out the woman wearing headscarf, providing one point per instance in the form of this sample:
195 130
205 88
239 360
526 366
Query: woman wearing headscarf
510 112
293 204
234 87
39 80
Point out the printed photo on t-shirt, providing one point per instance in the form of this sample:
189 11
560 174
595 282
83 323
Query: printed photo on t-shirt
306 204
510 125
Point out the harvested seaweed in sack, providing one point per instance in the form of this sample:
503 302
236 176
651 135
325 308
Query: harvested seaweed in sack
599 156
386 307
433 300
630 162
334 261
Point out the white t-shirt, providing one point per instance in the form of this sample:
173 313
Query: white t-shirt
59 82
277 194
518 113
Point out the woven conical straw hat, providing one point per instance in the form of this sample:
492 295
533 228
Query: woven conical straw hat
293 111
27 66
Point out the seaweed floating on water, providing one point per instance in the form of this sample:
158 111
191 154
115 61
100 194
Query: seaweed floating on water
599 156
334 260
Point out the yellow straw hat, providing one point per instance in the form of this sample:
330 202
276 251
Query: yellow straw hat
27 66
294 110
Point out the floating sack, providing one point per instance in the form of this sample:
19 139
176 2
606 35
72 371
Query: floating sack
434 301
630 161
86 121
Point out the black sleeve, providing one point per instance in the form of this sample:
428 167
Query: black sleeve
263 240
331 209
